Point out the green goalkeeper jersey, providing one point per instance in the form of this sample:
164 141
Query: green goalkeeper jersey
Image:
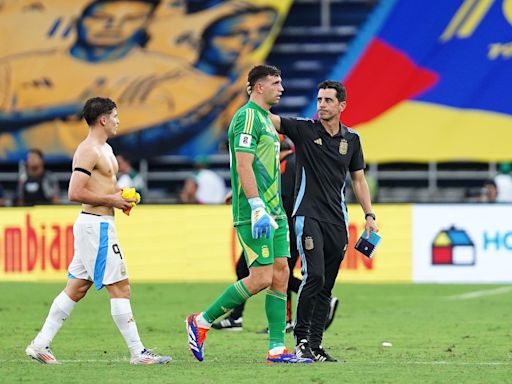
252 131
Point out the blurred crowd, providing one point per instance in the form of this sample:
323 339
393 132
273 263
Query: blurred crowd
36 185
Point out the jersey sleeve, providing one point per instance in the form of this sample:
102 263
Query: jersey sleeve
291 127
357 161
246 131
294 128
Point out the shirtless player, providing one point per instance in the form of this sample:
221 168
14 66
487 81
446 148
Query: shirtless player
98 258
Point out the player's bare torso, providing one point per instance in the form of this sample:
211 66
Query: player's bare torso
103 176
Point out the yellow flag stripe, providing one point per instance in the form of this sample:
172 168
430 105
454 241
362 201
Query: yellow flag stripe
457 20
474 18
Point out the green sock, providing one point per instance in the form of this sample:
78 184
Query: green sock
275 308
233 296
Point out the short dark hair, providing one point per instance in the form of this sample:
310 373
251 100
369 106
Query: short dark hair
490 182
341 92
36 151
96 107
260 72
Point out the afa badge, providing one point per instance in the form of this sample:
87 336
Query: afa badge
343 147
309 243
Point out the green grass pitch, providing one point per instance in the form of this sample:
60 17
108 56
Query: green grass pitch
438 332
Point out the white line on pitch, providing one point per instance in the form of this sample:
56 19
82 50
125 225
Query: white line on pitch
481 293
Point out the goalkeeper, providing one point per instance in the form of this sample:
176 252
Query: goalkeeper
259 218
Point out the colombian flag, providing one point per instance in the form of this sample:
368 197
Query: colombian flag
431 80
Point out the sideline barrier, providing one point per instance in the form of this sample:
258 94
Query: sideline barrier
180 243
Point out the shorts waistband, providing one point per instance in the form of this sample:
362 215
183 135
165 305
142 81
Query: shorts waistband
92 217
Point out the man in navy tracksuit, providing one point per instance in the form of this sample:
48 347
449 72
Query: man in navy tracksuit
325 151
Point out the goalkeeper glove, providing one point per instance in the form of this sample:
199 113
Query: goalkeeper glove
260 219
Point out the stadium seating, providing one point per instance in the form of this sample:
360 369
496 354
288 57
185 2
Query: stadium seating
312 39
314 36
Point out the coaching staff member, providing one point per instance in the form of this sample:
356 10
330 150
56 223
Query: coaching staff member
325 151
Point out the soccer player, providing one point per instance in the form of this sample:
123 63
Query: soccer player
326 151
258 217
98 258
287 168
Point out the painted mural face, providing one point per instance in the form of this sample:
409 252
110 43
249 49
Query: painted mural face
147 55
233 37
171 8
112 24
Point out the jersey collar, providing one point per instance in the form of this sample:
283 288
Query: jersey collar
342 132
252 104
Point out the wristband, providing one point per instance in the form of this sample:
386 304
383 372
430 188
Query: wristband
256 202
369 214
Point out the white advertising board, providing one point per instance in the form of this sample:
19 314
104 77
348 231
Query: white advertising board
465 243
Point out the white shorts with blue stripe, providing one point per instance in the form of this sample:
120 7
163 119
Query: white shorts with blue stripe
98 257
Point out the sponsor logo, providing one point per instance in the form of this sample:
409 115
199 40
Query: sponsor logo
453 246
46 247
318 141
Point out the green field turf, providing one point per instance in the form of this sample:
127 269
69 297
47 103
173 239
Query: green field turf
437 336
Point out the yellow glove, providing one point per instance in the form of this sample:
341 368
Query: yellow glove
130 193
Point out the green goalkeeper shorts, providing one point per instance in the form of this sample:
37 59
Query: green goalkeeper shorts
264 251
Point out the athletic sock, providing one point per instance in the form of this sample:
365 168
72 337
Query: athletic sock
234 295
275 309
202 322
277 350
60 310
123 317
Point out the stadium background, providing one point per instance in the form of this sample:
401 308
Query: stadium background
428 91
418 93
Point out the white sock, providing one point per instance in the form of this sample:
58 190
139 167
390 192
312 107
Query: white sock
123 317
276 350
60 310
202 322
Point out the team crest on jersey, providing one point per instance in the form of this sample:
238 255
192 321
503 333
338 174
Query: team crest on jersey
343 147
245 140
265 252
309 243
